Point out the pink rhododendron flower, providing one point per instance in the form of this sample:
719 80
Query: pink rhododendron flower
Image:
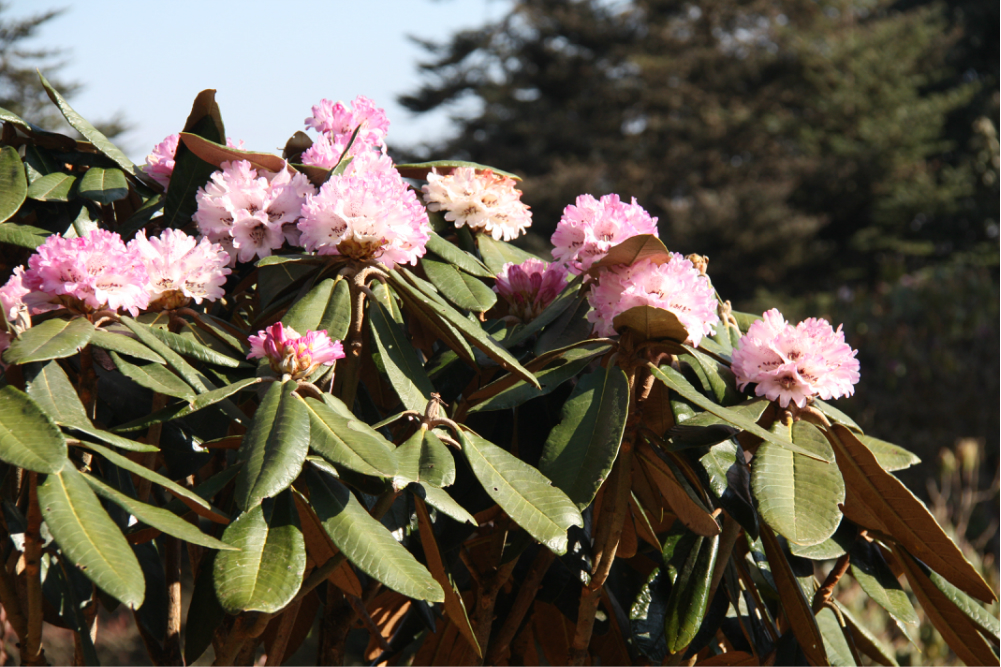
288 352
589 228
20 304
530 287
793 364
337 120
181 268
94 272
479 200
160 162
254 211
367 214
675 285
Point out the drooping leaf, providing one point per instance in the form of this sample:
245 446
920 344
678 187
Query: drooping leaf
122 344
649 323
580 450
877 580
202 401
403 366
689 509
52 339
158 518
835 644
867 642
190 171
266 573
348 441
28 437
460 288
523 492
646 616
111 439
205 614
57 186
88 536
216 153
306 313
337 315
24 236
730 482
634 249
13 183
983 619
890 456
689 598
441 501
195 350
52 391
798 496
425 307
498 253
366 542
155 377
721 379
425 458
104 185
274 446
877 500
461 259
836 415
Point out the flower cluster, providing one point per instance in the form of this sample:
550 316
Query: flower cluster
337 124
530 287
290 353
792 364
479 200
675 285
366 214
181 268
590 228
160 162
251 212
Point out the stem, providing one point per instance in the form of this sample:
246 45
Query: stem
152 438
482 618
277 653
172 571
88 382
500 646
350 375
32 653
823 594
245 627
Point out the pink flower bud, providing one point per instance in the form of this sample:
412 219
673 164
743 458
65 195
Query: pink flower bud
530 287
292 354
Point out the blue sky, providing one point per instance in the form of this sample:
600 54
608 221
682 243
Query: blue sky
269 61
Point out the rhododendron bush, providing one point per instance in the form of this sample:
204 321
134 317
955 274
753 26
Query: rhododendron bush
327 388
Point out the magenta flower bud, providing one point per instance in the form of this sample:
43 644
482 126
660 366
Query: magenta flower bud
530 287
292 354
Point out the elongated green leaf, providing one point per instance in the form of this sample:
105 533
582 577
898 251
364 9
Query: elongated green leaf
461 259
527 496
985 620
891 457
306 313
12 118
267 571
646 616
190 171
676 381
88 536
52 339
156 517
876 579
366 542
425 458
155 377
91 133
403 366
866 641
348 441
836 415
28 438
421 169
721 379
124 345
193 349
112 439
57 186
498 253
554 314
580 450
690 594
13 183
52 391
104 185
146 473
337 315
565 366
216 153
426 308
174 360
179 410
24 236
205 614
834 639
441 501
274 447
460 288
798 496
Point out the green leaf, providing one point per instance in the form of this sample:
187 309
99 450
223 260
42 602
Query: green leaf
28 438
833 547
568 299
745 320
12 118
193 349
836 415
174 360
890 457
527 496
155 477
112 439
123 344
52 391
460 288
428 307
89 538
104 185
461 259
24 236
646 616
425 458
57 186
722 381
690 594
676 381
205 614
52 339
306 313
267 572
179 410
403 366
216 153
798 496
13 183
366 542
987 621
834 639
876 578
563 367
274 446
190 171
155 377
866 641
158 518
336 317
498 253
348 441
444 503
580 450
420 170
91 133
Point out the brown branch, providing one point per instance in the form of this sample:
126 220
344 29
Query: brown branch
823 594
172 572
280 643
247 626
500 645
32 653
